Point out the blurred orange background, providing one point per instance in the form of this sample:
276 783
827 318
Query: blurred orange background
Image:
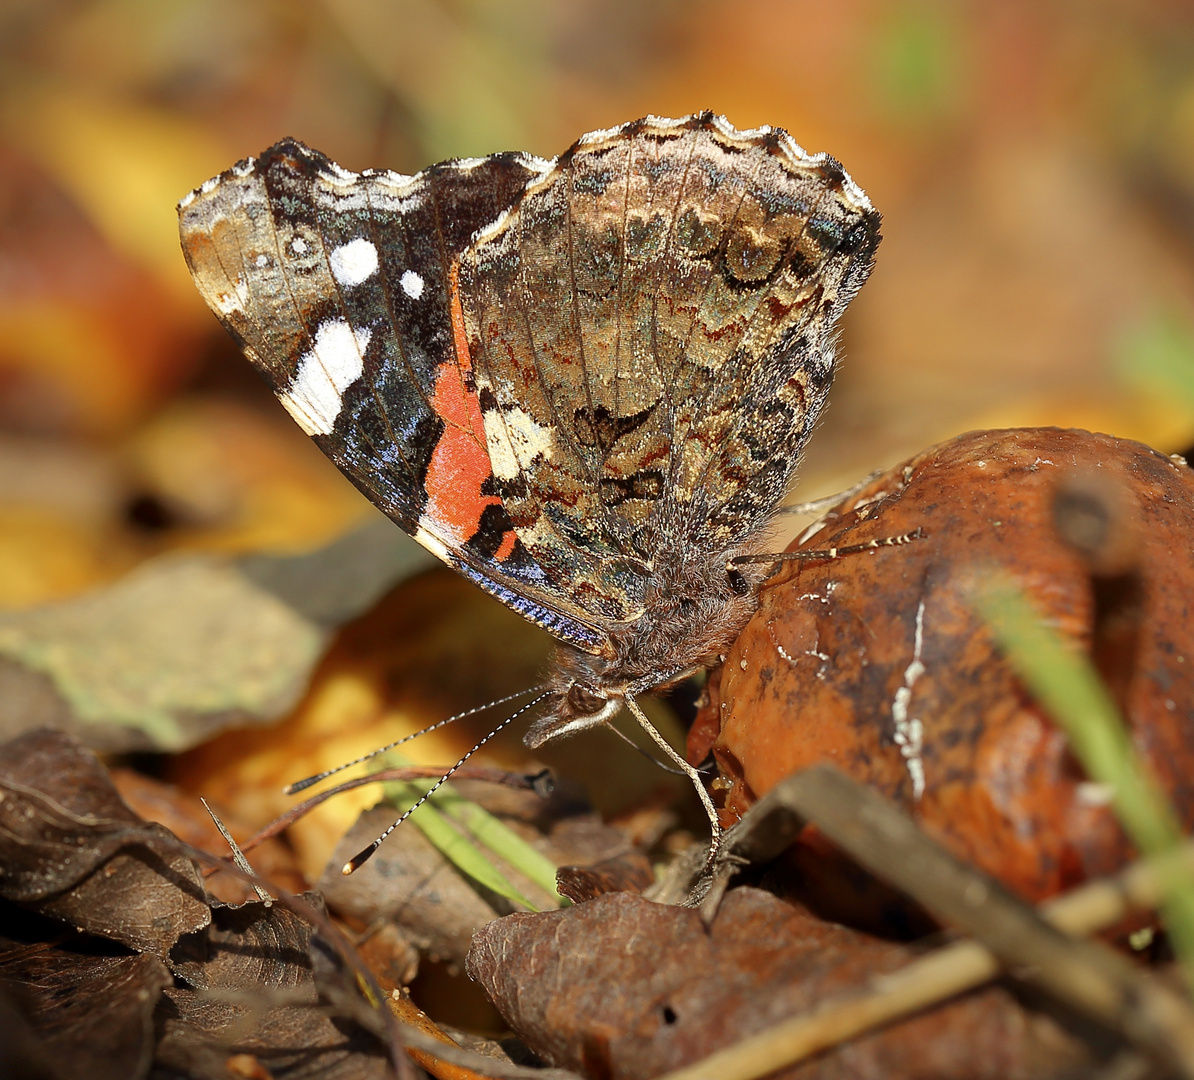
1034 163
1033 160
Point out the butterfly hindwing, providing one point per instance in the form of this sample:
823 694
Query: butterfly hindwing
650 325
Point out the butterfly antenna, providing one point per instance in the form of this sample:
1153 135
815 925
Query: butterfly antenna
690 772
359 859
825 554
302 785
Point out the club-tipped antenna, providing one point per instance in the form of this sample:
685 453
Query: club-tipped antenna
363 856
302 785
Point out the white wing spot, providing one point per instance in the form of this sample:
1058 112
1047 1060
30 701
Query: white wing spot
299 246
334 363
514 441
412 284
502 458
353 262
261 262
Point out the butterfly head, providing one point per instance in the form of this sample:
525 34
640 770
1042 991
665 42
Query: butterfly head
577 705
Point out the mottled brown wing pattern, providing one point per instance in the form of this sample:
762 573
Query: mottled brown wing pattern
651 329
644 341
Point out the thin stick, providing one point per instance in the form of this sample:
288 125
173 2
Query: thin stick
238 856
521 781
929 980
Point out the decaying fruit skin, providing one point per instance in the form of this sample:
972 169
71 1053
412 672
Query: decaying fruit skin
879 664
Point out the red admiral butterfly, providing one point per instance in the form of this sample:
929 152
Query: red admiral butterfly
585 384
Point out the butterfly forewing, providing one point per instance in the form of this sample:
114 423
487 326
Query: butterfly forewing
338 287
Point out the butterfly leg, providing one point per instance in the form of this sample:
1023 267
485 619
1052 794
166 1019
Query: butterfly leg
828 502
691 773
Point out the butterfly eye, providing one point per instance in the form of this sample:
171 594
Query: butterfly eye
737 582
584 701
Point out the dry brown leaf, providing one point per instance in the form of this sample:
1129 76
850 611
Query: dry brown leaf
86 1008
623 988
71 849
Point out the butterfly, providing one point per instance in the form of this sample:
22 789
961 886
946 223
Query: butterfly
583 383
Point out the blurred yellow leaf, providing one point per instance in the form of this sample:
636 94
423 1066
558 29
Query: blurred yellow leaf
127 165
46 556
242 481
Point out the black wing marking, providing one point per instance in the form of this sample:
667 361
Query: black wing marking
337 286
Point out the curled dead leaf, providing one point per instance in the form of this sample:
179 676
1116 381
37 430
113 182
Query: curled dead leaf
623 988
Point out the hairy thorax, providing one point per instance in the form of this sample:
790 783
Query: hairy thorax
691 614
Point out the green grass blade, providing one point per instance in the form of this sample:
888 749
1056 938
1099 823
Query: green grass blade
1065 682
503 841
447 838
463 832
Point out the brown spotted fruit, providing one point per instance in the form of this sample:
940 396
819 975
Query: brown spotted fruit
879 663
